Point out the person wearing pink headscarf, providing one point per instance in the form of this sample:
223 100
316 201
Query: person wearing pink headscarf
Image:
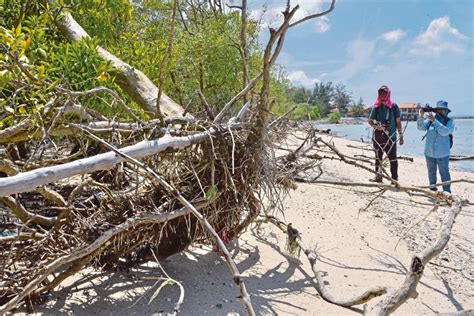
385 119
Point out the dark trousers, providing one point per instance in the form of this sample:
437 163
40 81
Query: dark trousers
383 143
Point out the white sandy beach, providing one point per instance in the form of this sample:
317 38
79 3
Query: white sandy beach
356 250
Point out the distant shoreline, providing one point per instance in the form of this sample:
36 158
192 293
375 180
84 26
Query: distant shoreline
463 117
363 119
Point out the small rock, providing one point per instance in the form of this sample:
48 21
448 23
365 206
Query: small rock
219 305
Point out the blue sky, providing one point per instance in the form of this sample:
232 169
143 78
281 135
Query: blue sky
422 49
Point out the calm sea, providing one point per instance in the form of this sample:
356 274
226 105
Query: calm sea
414 146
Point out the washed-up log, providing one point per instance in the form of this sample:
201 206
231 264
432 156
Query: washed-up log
28 181
461 157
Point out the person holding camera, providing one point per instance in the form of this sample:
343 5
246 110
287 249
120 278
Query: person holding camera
384 118
439 129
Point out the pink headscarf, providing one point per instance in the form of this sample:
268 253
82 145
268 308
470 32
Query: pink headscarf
387 100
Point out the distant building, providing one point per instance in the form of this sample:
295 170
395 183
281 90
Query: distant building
408 111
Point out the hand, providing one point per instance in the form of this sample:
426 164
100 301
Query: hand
401 141
430 117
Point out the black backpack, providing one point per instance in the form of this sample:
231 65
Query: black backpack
451 141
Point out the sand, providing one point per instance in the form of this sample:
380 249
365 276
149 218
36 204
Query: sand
356 246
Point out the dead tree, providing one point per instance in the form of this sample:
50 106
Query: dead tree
133 191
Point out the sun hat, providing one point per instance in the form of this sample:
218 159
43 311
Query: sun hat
441 104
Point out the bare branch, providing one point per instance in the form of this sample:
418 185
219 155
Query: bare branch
316 15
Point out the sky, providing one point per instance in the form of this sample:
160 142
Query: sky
421 49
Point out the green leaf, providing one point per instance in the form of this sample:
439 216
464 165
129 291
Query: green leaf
211 192
18 30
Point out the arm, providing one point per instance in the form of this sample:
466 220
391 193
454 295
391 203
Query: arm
421 123
398 123
372 121
442 129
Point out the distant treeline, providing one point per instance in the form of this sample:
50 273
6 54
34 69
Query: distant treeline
326 99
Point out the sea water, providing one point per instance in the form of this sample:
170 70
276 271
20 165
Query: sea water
414 145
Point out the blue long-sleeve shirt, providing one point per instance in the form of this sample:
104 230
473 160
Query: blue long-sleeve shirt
437 143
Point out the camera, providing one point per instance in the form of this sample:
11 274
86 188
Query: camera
380 124
427 108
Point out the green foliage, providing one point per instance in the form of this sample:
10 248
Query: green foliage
305 111
204 55
50 59
335 117
323 94
300 94
341 98
104 19
357 110
20 67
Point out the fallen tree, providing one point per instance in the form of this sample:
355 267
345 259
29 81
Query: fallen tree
102 210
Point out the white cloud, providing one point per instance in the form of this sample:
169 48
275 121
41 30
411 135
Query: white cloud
299 78
393 36
322 24
439 37
271 15
359 59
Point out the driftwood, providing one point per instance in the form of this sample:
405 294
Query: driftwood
53 266
408 289
456 158
320 285
237 278
395 298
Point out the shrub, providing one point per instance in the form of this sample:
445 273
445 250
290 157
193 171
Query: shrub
335 117
304 111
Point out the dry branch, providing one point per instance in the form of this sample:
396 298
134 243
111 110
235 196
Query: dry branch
83 252
320 285
408 289
461 157
25 216
237 278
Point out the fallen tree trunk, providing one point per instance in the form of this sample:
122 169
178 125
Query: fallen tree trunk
28 181
461 157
